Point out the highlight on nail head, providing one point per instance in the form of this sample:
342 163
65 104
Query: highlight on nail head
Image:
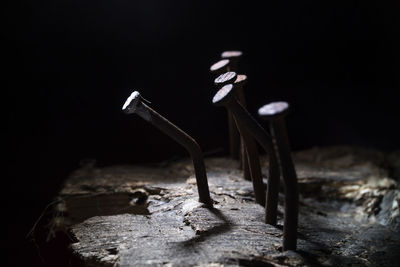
274 108
222 94
131 103
219 65
227 77
229 54
240 79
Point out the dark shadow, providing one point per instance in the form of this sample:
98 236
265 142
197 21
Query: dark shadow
225 226
309 258
249 262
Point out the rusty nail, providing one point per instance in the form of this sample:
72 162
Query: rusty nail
226 96
234 139
239 80
239 83
227 64
134 104
222 78
275 113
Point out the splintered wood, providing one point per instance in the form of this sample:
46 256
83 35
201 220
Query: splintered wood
150 215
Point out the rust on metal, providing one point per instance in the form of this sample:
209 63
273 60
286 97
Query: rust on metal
275 113
226 97
134 104
219 68
222 67
239 84
240 79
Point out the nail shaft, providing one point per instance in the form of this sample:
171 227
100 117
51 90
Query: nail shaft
234 138
278 129
275 113
265 141
179 136
226 97
240 80
253 162
225 65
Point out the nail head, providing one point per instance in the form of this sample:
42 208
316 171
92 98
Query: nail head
225 78
131 103
219 65
223 95
274 109
240 79
231 54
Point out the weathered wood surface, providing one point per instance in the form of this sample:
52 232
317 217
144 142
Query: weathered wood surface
149 215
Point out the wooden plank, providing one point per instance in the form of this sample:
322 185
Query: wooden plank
149 215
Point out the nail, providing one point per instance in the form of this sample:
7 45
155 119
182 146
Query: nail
275 113
240 81
234 139
134 104
228 63
234 57
220 67
237 146
251 146
221 79
226 97
225 78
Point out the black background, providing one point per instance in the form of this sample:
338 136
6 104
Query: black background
72 64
